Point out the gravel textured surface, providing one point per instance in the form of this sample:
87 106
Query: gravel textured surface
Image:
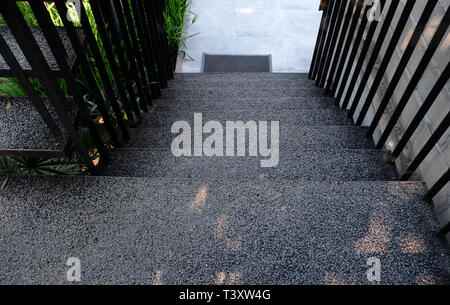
316 165
303 137
239 77
141 231
287 118
330 205
243 84
22 128
40 39
236 92
227 104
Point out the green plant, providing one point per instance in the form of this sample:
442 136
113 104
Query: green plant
174 16
11 87
27 13
39 166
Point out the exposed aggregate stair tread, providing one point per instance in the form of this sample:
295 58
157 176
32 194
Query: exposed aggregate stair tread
239 77
303 137
236 92
138 231
311 165
229 104
286 118
23 130
330 204
249 84
45 49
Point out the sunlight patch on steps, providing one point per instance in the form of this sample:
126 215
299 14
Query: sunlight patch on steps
222 224
199 201
427 280
158 278
234 278
379 236
412 244
234 244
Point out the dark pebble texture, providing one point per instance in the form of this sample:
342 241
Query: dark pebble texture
315 165
243 84
330 204
243 77
241 93
23 129
286 118
302 137
227 104
143 231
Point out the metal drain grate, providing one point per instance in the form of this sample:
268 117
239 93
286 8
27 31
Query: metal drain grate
237 63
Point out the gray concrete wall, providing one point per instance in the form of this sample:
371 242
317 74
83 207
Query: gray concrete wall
438 161
285 29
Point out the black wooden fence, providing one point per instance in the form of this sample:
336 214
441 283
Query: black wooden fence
121 49
342 57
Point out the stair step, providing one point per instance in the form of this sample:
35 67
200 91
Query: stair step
24 132
228 104
45 49
242 84
311 165
303 137
287 118
239 76
238 92
130 231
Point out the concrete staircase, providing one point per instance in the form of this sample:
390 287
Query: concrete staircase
332 203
